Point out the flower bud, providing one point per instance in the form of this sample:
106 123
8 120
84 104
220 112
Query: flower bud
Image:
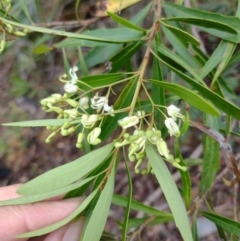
89 121
83 102
128 121
70 88
175 164
72 103
162 148
71 112
93 136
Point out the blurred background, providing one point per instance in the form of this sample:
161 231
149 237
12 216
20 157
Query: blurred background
26 77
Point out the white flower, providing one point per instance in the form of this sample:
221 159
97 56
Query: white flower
128 121
109 109
83 102
89 121
93 136
72 73
98 102
70 88
174 112
172 126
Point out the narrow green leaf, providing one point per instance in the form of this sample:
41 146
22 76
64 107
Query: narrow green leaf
96 81
170 191
214 60
67 173
238 9
25 10
229 24
194 228
34 123
227 224
76 42
204 23
96 223
158 95
124 55
211 157
181 46
136 222
96 172
227 54
59 224
218 101
82 63
128 208
138 206
185 176
125 22
139 17
182 35
102 54
162 50
43 196
221 86
118 35
234 60
189 96
110 49
222 234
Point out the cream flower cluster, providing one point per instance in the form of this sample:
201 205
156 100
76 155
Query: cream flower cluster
137 141
72 107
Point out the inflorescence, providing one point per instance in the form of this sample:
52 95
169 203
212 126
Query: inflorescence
72 105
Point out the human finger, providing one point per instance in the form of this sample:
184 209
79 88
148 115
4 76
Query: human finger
68 232
23 218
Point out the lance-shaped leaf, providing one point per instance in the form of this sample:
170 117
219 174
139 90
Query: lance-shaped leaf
218 101
43 196
211 157
115 35
189 96
185 176
225 27
227 224
95 224
170 191
67 173
96 81
167 53
138 206
34 123
158 95
125 22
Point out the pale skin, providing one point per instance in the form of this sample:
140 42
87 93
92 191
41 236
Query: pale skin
19 219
